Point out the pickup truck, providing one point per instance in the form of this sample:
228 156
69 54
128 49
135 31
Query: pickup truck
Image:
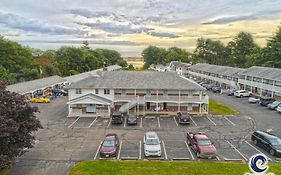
202 145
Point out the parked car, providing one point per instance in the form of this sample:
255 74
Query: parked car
109 146
152 144
278 109
183 118
117 118
264 101
230 92
216 89
59 92
132 119
209 86
268 142
254 100
273 105
201 144
242 93
40 100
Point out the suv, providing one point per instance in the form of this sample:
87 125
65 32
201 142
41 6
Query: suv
152 144
264 101
273 105
117 118
242 93
268 142
109 146
183 118
132 119
216 89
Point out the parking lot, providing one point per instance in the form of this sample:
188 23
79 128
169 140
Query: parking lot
66 141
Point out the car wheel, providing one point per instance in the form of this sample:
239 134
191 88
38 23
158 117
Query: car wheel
198 154
255 142
272 152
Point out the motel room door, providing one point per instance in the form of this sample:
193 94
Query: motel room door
90 108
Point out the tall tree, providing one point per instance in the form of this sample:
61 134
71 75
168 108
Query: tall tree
17 124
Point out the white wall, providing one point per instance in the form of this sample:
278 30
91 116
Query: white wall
72 93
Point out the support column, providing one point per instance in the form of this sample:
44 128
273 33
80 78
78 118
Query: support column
135 99
179 107
138 103
157 101
273 87
200 110
144 106
69 110
108 110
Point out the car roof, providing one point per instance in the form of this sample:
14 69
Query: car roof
266 134
111 135
200 136
151 135
117 113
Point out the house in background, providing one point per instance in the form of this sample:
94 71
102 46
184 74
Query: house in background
142 93
179 67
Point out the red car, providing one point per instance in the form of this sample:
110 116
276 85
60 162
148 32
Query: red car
202 145
110 146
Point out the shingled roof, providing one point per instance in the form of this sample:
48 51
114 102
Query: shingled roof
136 80
263 72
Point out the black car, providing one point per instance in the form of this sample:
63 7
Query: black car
117 118
264 101
132 120
183 118
268 142
216 89
209 87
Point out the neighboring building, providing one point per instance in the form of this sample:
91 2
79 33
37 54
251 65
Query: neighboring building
261 80
142 93
158 67
37 87
179 67
226 77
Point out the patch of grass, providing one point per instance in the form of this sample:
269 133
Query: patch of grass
104 167
217 108
4 171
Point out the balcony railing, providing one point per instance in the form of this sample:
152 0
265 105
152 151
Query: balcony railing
181 99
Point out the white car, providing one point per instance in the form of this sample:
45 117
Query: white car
254 100
242 93
152 144
278 108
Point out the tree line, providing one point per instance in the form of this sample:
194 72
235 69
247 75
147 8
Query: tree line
19 63
242 51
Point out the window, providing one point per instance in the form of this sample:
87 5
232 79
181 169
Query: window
278 83
106 91
96 91
78 91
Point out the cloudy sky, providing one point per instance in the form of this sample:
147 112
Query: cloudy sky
128 26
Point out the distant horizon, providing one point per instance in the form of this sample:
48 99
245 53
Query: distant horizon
130 27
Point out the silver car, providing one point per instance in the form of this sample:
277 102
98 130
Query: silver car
273 105
152 144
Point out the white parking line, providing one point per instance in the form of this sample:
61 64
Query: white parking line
93 123
120 147
97 151
140 151
218 158
245 158
211 121
176 121
256 149
124 123
193 121
109 123
189 150
229 121
164 148
158 120
141 123
73 122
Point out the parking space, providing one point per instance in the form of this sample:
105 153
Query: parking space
151 123
168 122
226 151
130 150
202 121
178 150
221 121
83 122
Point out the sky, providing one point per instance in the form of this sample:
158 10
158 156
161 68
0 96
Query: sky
129 26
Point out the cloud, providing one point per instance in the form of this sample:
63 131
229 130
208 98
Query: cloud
14 21
228 19
163 35
79 41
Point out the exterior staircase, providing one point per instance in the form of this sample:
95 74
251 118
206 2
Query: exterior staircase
127 106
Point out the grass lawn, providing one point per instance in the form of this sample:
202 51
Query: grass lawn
217 108
163 168
4 171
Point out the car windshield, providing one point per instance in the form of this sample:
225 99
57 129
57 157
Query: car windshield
276 142
152 142
276 103
108 143
204 142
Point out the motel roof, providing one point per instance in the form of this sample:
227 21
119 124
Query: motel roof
136 80
222 70
33 85
263 72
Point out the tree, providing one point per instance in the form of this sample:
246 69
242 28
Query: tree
153 55
240 49
271 55
85 45
17 124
